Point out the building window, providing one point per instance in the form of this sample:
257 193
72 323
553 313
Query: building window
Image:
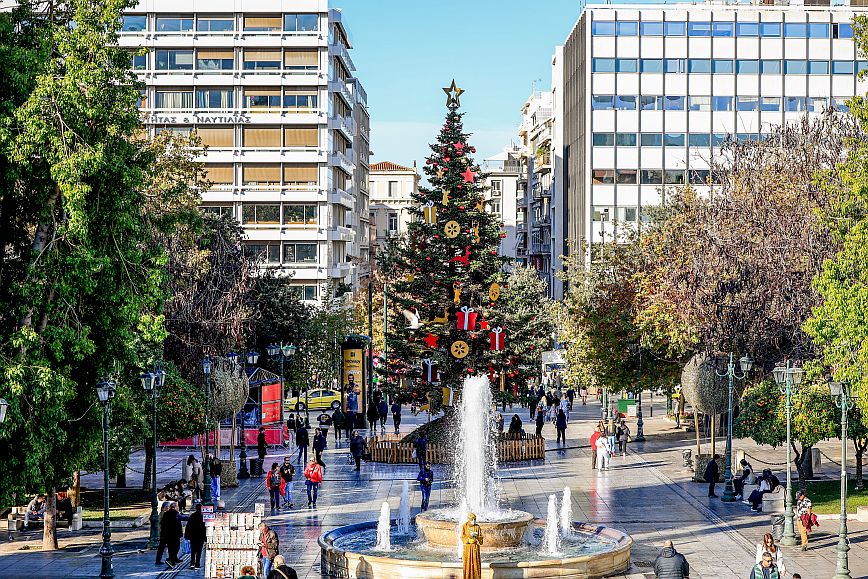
722 29
795 67
214 98
770 67
261 175
673 139
699 140
299 99
770 29
603 28
627 28
393 222
650 103
699 176
136 23
721 66
218 210
673 103
301 137
603 102
603 65
673 177
626 65
261 98
651 28
818 30
747 29
258 137
174 99
718 139
220 174
260 214
721 103
261 59
215 24
699 29
304 292
651 139
625 176
674 65
651 176
300 214
746 67
603 176
674 28
601 213
795 104
301 22
297 59
215 60
795 30
699 66
843 67
138 61
842 30
818 67
625 214
604 139
699 103
770 104
625 139
494 207
625 102
263 23
174 24
299 253
496 188
392 189
746 103
174 59
269 254
217 137
301 174
652 65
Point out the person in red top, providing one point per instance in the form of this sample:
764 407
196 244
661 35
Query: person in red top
313 477
594 437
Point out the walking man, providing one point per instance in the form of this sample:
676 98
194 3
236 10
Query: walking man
269 547
422 449
170 536
426 479
766 569
711 472
287 471
806 519
396 416
313 476
216 471
357 447
195 533
302 440
352 407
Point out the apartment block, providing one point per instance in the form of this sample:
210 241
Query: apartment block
392 187
269 87
650 92
502 174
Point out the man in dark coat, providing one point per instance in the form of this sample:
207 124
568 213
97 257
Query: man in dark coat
396 416
670 564
302 441
422 449
170 536
357 447
710 476
195 533
281 570
261 448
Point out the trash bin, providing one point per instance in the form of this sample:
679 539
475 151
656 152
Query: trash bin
255 465
777 526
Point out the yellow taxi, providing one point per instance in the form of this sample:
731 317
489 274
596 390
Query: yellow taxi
319 399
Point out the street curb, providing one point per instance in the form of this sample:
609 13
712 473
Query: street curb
124 524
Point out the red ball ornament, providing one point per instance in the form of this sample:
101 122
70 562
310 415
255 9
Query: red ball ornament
461 207
493 252
531 347
472 149
446 159
470 370
436 236
428 258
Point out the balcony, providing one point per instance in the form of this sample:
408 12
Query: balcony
341 51
540 192
340 87
543 163
340 233
541 249
338 159
339 270
344 124
543 221
341 197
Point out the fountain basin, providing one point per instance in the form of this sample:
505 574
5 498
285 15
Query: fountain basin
609 556
439 529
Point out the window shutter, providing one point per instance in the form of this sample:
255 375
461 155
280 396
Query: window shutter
217 136
261 137
214 54
301 137
268 22
301 58
261 55
262 174
220 174
301 173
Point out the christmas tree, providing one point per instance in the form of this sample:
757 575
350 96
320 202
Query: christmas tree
445 276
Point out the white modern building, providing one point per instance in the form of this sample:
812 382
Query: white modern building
650 91
503 173
392 187
268 85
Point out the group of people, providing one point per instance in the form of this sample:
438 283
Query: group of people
606 440
273 563
173 529
670 564
279 482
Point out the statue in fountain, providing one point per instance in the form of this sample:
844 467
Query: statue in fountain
471 536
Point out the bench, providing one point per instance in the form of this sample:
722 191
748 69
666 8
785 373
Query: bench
773 502
19 520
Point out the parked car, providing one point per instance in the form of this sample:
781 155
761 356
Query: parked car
319 399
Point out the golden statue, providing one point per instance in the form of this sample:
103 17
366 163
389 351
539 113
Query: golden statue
471 536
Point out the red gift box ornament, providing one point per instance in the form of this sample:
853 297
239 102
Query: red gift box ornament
496 337
429 370
466 319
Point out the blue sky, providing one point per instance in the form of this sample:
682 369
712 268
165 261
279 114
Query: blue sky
405 51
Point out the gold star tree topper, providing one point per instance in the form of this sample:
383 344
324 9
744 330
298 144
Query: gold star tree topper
453 94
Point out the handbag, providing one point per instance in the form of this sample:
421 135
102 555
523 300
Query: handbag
185 546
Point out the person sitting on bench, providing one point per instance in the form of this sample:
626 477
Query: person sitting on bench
36 508
64 507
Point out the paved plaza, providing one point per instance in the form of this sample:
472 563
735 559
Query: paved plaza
648 494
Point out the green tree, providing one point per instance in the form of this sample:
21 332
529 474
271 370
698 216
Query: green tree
441 266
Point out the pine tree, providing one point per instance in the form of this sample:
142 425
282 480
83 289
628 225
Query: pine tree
445 268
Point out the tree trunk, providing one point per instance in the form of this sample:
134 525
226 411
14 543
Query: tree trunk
149 464
713 433
698 440
860 450
803 465
121 479
49 525
75 491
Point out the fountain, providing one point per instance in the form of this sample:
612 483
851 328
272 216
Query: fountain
567 513
404 510
515 544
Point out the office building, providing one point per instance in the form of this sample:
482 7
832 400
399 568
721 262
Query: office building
502 174
268 85
392 187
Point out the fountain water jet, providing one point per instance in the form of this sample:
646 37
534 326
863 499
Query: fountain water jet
566 513
384 529
552 538
404 510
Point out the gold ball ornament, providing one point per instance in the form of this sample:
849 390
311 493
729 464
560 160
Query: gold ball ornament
494 291
459 349
452 229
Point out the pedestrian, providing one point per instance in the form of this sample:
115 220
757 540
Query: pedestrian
280 570
269 548
272 483
287 471
768 546
196 483
710 476
425 479
302 441
498 422
357 448
766 569
583 392
195 533
351 409
594 437
338 418
396 416
170 536
571 395
670 564
604 451
291 427
746 477
383 413
561 426
216 468
36 508
247 572
373 417
565 406
325 421
623 436
806 517
540 419
313 478
261 448
515 428
319 444
422 448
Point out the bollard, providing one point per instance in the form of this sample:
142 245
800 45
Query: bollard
685 456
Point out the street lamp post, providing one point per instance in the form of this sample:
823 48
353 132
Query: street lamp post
840 392
206 479
786 377
281 353
105 391
243 472
152 382
640 434
746 364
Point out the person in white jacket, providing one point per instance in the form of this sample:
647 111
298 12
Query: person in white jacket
603 452
768 546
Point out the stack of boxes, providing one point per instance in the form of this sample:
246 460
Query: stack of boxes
233 540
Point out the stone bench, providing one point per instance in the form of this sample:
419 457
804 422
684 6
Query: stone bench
773 502
19 520
747 490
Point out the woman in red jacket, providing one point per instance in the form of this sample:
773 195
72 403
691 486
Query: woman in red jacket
313 476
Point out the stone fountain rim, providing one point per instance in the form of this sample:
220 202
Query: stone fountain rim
623 542
522 518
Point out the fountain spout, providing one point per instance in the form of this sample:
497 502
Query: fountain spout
384 529
552 538
566 513
404 510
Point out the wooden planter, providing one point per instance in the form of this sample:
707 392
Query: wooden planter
390 449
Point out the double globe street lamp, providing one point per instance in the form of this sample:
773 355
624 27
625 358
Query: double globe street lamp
105 391
746 363
282 353
207 365
252 358
786 376
843 398
152 382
